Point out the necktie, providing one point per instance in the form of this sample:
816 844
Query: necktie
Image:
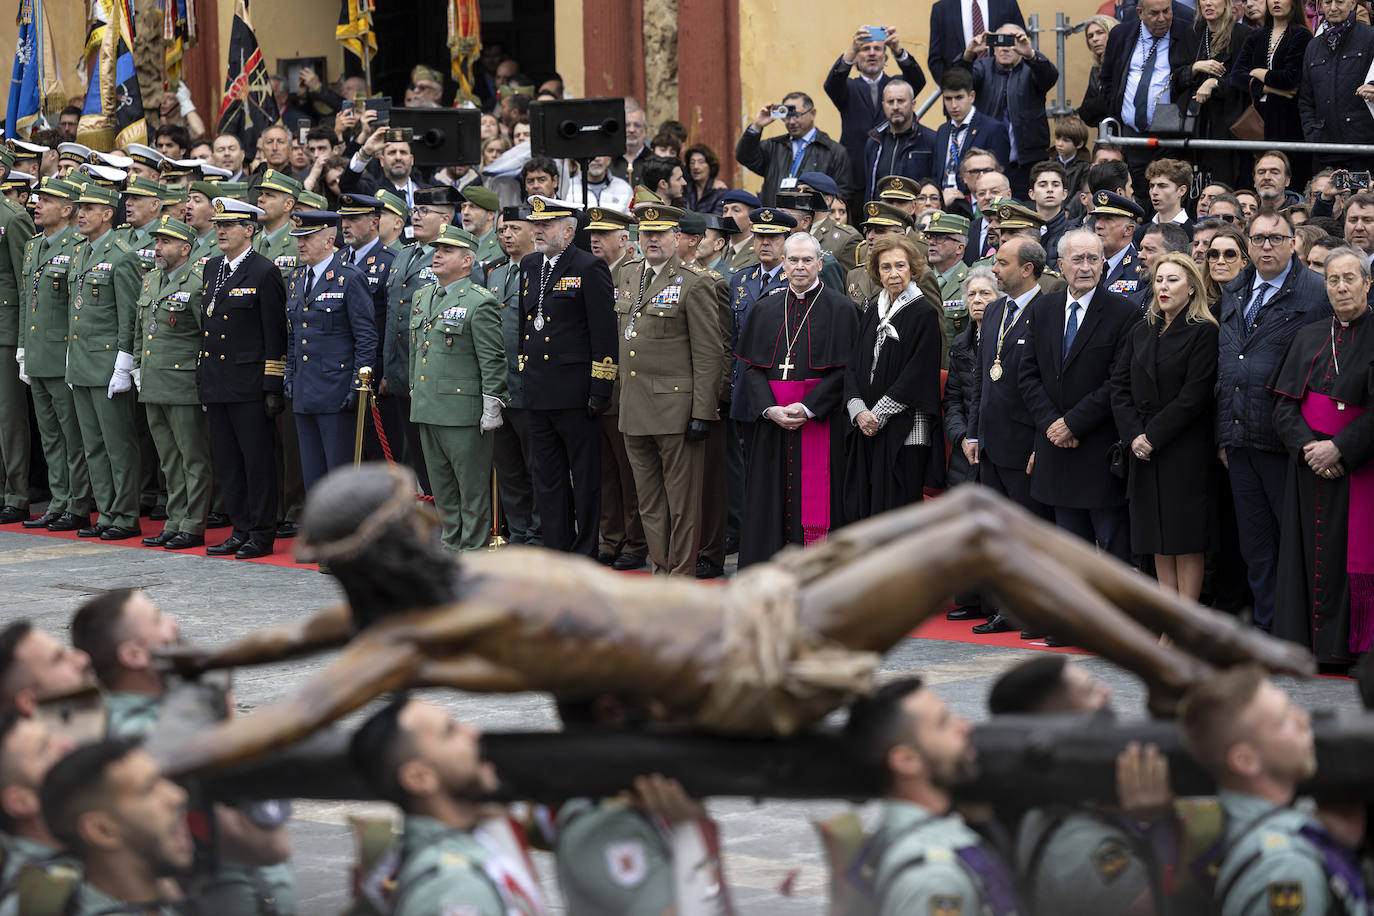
874 93
979 27
798 150
309 281
1070 327
348 256
1142 91
1252 310
952 160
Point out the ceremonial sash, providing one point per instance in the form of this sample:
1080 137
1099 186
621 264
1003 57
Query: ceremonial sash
815 461
1329 416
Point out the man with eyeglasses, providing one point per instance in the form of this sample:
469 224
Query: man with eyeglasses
804 148
1260 312
988 186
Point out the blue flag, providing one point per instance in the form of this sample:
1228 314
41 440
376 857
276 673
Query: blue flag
26 81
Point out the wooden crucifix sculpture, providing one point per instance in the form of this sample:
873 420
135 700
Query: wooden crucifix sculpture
771 652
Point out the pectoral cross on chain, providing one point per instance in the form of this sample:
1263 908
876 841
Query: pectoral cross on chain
786 366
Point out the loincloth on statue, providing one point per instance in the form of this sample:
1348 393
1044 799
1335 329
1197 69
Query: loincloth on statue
774 678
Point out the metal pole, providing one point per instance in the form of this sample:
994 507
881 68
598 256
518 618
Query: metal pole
1109 131
928 103
1060 23
1033 26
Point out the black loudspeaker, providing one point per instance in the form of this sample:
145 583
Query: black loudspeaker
442 136
577 128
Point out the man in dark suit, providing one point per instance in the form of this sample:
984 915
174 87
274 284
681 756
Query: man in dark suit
859 98
567 358
333 320
1074 338
385 161
1001 431
966 130
955 23
240 377
1137 75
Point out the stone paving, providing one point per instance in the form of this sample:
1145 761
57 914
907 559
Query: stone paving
220 599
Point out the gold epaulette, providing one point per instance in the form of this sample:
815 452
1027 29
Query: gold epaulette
604 370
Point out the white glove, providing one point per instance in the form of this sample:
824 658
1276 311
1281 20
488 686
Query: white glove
121 379
491 413
19 358
184 97
66 363
138 379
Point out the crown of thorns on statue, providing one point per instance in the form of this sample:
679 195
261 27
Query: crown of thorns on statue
328 510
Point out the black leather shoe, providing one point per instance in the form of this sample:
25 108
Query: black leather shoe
287 530
966 613
605 557
1030 634
12 515
43 521
93 531
159 514
183 541
119 533
69 521
627 561
217 520
254 549
708 570
158 540
994 624
1054 643
225 548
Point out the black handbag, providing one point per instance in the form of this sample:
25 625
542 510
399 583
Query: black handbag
1117 456
1171 118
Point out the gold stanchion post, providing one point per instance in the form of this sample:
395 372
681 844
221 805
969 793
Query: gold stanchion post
364 390
497 542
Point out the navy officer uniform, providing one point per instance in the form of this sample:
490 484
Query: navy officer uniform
242 362
1120 275
332 333
373 260
567 356
748 286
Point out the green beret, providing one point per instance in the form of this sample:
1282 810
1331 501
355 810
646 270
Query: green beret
483 197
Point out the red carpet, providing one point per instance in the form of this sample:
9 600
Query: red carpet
962 631
283 555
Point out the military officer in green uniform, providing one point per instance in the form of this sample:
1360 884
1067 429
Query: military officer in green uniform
394 220
480 206
456 343
16 228
434 208
42 356
414 754
278 195
104 284
143 205
1014 220
309 200
840 239
879 219
165 374
173 199
200 212
947 234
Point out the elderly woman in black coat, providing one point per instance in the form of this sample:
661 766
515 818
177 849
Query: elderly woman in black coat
1333 93
892 386
1162 393
980 291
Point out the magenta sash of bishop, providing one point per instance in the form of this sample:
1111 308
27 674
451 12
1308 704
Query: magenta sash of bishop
814 474
1329 416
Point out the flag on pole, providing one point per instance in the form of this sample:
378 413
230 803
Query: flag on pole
113 114
178 34
354 31
249 107
36 80
464 44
